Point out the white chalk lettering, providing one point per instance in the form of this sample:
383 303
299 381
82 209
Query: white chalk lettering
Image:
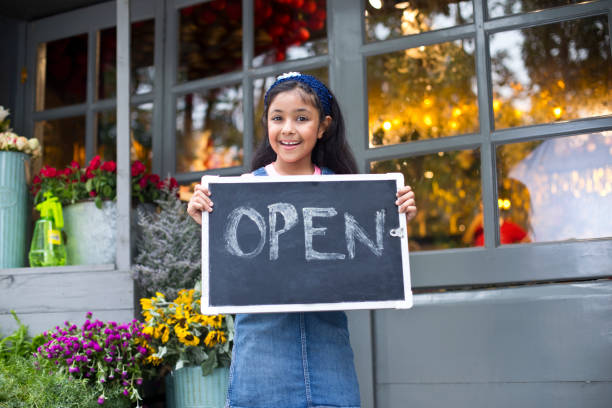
310 231
291 218
231 231
353 230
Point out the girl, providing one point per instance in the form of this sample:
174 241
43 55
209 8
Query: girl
296 360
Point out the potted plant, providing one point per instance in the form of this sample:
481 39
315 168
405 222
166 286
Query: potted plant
88 195
15 152
193 349
106 355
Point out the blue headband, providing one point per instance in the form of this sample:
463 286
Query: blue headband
317 86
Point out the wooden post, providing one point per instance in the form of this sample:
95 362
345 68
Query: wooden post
123 136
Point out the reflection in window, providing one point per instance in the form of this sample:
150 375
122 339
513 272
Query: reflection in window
61 72
63 140
447 188
563 185
553 72
422 93
210 39
289 30
141 134
498 8
209 128
259 90
386 19
142 65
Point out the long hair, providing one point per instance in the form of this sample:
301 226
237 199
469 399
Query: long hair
331 151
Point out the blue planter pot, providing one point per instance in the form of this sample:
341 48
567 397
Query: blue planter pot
13 209
188 388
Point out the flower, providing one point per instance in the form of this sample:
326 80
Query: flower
12 142
107 355
181 336
98 181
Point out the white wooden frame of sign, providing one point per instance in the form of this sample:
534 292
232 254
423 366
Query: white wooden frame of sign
207 309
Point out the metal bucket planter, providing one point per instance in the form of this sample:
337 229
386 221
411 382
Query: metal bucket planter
188 388
13 209
91 233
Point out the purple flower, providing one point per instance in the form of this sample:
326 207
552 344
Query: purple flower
139 381
126 392
101 399
108 359
73 369
102 380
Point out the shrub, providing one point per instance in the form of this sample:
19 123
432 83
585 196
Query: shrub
169 255
24 386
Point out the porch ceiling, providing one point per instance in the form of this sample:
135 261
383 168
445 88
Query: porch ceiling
34 9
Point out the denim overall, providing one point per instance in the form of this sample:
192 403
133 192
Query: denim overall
292 360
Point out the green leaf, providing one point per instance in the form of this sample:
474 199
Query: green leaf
89 184
98 202
209 364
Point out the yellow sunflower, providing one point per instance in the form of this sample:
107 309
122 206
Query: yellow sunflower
162 331
189 339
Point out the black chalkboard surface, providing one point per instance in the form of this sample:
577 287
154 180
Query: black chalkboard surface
304 243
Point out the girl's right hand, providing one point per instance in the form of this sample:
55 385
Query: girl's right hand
200 201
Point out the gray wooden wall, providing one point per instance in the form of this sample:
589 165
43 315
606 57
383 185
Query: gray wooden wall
531 346
46 297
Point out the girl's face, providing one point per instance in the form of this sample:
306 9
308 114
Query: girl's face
293 130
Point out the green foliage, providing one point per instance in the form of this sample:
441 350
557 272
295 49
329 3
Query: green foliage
18 343
24 386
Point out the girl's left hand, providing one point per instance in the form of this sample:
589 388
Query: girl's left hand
405 202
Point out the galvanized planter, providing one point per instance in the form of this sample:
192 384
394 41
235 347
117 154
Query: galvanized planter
188 388
91 233
13 209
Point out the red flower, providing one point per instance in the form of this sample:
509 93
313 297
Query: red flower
92 193
110 166
36 180
66 172
49 172
153 178
89 174
137 168
172 183
94 164
74 164
142 182
160 185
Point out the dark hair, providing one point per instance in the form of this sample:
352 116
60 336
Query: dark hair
331 151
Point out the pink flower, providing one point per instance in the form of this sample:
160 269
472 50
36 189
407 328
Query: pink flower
101 399
143 182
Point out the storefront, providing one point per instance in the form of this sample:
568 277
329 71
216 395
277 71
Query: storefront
496 111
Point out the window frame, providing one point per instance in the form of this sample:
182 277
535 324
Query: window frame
491 265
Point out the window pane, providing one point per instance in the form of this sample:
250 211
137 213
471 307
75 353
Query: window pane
559 188
289 30
498 8
142 56
422 93
209 128
260 86
447 189
141 134
63 140
210 39
61 72
385 19
553 72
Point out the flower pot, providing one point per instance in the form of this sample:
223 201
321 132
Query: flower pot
13 209
188 388
91 233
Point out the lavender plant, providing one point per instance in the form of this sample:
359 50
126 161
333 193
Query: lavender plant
168 249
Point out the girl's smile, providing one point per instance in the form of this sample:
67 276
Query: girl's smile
293 131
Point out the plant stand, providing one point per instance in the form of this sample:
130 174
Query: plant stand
188 388
13 209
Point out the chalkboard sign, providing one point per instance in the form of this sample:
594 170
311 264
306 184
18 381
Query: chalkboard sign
304 243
